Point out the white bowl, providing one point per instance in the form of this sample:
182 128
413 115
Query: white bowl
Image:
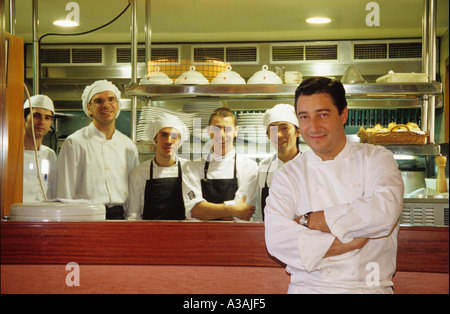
156 77
50 211
265 77
228 77
192 77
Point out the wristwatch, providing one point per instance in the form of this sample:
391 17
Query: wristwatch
304 220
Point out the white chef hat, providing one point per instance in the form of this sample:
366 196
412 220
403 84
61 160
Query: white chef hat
98 87
40 101
166 120
279 113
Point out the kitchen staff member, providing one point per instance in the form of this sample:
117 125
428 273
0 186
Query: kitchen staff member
156 185
281 125
332 215
224 184
94 162
42 115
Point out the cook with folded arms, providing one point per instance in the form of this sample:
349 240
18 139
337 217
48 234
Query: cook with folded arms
224 184
42 115
156 185
95 161
281 125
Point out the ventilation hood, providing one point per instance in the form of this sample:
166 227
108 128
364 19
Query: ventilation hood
67 69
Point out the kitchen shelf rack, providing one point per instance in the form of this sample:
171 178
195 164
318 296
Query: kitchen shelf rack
369 90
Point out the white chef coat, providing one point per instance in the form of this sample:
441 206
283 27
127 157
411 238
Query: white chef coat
361 193
267 167
221 167
94 168
48 169
138 179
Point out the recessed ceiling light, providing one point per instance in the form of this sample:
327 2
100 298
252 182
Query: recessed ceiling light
318 20
65 23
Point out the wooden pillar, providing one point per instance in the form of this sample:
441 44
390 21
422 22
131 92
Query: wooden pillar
12 122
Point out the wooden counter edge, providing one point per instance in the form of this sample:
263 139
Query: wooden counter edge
420 249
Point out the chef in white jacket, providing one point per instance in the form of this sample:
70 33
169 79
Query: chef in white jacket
332 215
42 115
156 185
94 162
281 125
223 185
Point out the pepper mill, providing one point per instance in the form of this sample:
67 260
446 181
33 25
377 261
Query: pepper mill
441 182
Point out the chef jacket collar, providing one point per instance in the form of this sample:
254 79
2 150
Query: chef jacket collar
343 154
94 131
158 166
212 156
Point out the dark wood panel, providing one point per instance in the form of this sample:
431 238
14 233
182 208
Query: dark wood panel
423 249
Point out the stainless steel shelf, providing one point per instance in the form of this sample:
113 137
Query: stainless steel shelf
415 150
391 90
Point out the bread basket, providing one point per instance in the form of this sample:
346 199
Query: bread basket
394 136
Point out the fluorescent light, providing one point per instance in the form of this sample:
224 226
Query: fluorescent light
318 20
65 23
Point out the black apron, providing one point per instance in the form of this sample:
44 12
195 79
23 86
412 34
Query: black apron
265 189
163 198
219 190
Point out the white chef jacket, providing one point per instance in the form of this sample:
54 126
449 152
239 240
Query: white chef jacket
361 193
221 167
138 179
48 169
267 167
94 168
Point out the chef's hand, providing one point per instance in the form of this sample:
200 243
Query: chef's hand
338 248
242 210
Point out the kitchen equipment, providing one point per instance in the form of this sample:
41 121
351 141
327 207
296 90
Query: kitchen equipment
441 183
156 77
413 180
293 77
192 77
352 76
228 77
392 77
265 77
57 211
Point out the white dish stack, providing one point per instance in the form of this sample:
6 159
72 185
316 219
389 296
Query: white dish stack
251 127
148 114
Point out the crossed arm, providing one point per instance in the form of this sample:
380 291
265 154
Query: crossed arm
317 222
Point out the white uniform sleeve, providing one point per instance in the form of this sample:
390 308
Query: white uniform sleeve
291 243
191 187
68 170
247 181
53 175
134 207
376 213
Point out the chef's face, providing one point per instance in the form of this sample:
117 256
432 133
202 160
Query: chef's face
222 131
321 126
103 107
167 142
283 136
42 119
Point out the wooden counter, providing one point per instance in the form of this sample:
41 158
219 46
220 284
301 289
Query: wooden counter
190 246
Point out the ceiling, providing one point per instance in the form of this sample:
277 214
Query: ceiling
229 20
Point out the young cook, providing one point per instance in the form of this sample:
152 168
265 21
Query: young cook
156 185
94 162
224 184
281 125
42 115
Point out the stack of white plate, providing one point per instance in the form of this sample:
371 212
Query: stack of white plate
251 127
202 110
148 114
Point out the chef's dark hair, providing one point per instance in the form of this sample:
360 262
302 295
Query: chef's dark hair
223 112
323 85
